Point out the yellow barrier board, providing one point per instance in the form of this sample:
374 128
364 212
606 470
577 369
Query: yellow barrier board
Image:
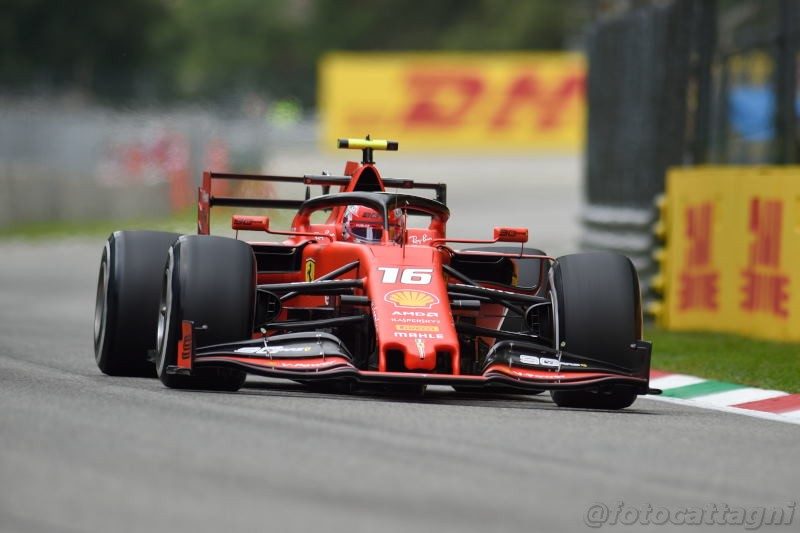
502 101
733 250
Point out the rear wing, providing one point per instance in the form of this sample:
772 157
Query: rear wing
205 200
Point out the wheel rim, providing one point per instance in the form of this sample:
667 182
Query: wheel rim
164 315
101 306
554 310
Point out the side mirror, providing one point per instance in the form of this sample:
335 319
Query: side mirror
503 234
249 223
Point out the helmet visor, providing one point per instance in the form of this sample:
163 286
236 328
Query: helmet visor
367 233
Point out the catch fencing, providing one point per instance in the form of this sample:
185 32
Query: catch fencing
676 83
639 66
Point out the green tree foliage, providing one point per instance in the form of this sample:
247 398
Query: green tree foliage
221 49
93 45
444 24
222 46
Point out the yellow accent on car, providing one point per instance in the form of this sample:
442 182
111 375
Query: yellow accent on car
411 299
368 144
310 269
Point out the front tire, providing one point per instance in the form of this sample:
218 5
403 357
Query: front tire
209 280
128 291
599 316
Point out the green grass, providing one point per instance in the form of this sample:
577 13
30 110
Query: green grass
731 358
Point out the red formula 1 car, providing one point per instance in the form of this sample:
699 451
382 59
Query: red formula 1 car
367 291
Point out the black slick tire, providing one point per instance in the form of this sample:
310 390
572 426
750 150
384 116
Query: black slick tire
209 280
128 293
599 316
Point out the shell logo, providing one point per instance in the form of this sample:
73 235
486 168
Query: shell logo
411 298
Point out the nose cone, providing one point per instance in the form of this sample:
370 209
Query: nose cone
411 310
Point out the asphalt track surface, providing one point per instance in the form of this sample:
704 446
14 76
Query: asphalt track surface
81 451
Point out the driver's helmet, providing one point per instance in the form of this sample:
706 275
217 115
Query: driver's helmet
363 224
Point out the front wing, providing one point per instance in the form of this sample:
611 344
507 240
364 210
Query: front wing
316 356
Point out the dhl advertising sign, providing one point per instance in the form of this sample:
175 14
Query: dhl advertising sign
733 250
504 101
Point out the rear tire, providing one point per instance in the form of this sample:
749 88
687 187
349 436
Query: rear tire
209 280
599 316
128 292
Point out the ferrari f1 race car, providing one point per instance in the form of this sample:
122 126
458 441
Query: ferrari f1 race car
367 291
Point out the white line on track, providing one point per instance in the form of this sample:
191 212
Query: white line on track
737 396
674 381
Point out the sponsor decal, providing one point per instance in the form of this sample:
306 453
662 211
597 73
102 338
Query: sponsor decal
416 239
539 361
551 376
187 340
415 335
547 362
415 317
415 314
411 298
310 269
300 364
403 327
186 347
517 234
764 286
445 100
415 321
699 280
254 350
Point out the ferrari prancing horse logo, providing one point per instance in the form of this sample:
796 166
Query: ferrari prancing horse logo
310 269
